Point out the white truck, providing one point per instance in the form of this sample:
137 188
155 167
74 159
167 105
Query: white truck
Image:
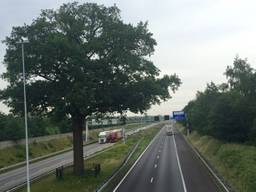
110 136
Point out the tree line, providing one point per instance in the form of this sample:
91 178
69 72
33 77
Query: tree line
12 127
227 111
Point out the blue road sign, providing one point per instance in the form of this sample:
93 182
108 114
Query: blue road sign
179 115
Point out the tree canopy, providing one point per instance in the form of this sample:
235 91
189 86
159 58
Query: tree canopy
227 111
84 51
82 59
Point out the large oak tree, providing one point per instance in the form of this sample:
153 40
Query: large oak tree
82 59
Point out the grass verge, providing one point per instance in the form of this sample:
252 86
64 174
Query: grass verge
235 162
110 161
16 154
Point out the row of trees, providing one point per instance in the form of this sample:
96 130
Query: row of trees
227 111
12 127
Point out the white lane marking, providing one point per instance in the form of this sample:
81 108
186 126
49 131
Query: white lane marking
155 166
208 167
137 161
178 160
151 180
157 156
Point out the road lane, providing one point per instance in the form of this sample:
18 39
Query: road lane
168 165
145 176
167 175
196 175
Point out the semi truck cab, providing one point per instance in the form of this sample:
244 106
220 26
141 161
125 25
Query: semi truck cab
102 137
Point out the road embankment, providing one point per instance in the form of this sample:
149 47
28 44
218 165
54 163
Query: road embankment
235 162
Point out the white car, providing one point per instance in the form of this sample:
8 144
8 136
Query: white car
169 131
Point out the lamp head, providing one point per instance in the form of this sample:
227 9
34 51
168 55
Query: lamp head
23 40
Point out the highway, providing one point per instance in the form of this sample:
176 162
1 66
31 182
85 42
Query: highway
15 177
168 165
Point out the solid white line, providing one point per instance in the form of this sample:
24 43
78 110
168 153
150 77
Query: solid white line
208 167
151 180
178 160
136 161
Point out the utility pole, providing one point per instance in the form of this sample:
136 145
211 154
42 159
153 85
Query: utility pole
123 132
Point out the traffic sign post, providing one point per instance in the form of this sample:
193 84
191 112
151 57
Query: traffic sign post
179 115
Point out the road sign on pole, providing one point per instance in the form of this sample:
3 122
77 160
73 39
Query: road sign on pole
179 115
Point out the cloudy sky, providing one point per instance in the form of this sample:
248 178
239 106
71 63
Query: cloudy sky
196 39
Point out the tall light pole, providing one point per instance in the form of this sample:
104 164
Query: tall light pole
25 111
86 130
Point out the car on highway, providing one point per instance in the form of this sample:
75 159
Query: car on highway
169 132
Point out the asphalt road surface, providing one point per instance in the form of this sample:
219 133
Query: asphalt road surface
13 178
168 165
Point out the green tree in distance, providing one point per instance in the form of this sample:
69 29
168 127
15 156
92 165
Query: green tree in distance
227 111
82 60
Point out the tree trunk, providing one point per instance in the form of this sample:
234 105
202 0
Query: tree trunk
78 125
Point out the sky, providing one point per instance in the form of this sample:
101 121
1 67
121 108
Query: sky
196 39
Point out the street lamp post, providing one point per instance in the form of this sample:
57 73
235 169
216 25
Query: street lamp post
25 113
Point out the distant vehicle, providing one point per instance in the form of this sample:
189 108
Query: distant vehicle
110 136
169 131
103 136
156 118
167 117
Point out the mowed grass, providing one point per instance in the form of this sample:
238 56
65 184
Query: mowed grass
235 162
110 160
16 154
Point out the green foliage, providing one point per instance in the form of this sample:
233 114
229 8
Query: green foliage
235 162
83 59
227 111
12 127
17 154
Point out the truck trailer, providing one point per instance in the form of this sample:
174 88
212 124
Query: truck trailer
110 136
